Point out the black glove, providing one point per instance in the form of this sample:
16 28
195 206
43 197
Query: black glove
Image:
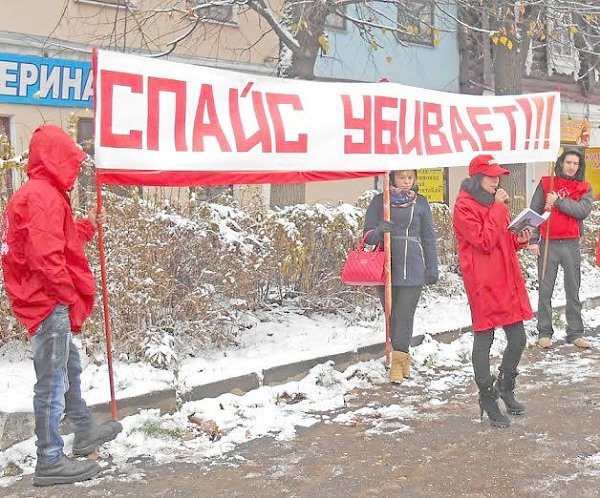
431 279
385 226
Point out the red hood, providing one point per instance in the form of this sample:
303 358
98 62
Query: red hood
54 156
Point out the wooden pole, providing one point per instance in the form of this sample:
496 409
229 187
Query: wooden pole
547 241
107 331
387 239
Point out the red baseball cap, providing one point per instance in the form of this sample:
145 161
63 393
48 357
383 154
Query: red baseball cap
486 165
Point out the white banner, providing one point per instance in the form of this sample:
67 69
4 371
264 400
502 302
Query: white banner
159 116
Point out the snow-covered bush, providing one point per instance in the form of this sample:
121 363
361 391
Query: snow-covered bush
180 277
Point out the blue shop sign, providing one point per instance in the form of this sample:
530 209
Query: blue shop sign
33 80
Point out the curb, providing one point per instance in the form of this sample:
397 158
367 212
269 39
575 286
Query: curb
165 401
18 426
236 385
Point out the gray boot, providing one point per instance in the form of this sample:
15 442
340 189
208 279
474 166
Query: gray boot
506 386
87 441
66 471
488 403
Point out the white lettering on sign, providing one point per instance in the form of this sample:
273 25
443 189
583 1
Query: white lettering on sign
88 91
49 82
8 75
69 83
29 75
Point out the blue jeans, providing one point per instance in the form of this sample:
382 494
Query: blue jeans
58 387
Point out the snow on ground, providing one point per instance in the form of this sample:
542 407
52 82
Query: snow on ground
591 465
285 337
214 428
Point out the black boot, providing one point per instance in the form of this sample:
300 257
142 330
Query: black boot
506 386
65 471
488 403
87 441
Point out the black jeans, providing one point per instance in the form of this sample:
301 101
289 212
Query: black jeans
404 305
482 342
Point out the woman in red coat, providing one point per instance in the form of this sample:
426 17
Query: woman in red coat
493 282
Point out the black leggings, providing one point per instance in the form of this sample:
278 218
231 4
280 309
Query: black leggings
404 305
482 342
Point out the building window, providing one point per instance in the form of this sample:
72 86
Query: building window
415 21
5 126
6 152
86 185
335 21
562 56
85 134
564 41
224 14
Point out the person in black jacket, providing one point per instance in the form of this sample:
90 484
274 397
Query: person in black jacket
414 259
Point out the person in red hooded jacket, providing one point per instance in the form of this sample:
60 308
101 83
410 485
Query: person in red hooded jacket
51 290
493 282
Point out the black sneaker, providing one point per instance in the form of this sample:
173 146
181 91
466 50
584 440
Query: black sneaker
66 471
87 441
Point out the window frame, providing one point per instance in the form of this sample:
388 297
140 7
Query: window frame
233 21
562 56
12 178
564 45
343 24
411 12
85 124
6 130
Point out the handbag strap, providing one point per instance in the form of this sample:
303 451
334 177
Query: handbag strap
363 243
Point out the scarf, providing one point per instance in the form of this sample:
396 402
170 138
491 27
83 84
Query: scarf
402 198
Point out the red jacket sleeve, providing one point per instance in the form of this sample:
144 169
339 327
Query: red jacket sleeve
482 234
85 229
46 251
518 245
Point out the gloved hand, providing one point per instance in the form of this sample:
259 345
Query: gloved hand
385 226
431 279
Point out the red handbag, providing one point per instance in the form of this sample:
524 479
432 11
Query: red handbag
364 267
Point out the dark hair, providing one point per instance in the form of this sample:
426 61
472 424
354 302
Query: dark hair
571 151
472 182
472 185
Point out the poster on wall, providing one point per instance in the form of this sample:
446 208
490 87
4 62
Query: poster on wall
592 169
432 184
574 132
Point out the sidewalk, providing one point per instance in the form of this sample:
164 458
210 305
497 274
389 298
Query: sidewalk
18 426
423 438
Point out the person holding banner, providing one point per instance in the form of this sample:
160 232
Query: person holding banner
569 199
493 282
414 259
51 290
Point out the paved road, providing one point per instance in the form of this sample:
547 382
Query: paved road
428 444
